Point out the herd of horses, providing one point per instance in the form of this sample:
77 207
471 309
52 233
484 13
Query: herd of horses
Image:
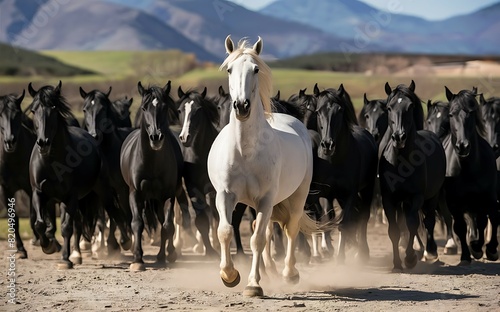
287 160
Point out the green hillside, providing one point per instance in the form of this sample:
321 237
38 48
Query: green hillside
20 62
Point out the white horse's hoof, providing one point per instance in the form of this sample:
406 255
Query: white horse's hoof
292 279
136 266
429 257
253 291
232 284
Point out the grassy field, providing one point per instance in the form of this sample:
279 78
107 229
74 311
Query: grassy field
123 69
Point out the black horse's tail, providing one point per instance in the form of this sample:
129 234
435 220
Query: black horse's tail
88 213
149 214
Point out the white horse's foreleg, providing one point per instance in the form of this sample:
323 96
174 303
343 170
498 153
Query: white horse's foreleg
257 244
225 205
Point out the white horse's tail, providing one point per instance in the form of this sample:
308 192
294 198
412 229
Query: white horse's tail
307 225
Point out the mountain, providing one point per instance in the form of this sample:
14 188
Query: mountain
88 25
393 32
209 22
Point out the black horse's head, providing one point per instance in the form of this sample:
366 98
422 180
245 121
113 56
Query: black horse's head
10 120
438 119
155 106
194 109
465 120
50 111
405 113
122 108
335 115
491 117
373 117
98 112
309 103
223 101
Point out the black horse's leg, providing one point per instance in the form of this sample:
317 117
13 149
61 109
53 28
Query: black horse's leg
137 206
347 226
201 221
35 241
364 217
238 213
183 202
169 229
411 210
429 210
68 212
76 254
390 207
123 199
451 247
39 205
491 247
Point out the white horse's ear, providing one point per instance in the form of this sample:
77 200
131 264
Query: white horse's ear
229 45
257 47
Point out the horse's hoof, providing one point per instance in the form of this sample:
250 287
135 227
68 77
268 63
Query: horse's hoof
65 265
411 262
232 284
464 263
76 260
492 256
477 254
292 279
51 247
172 257
137 266
127 244
397 270
315 260
84 245
430 256
450 251
198 248
22 254
253 291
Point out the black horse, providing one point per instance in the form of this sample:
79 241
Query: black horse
471 183
308 103
199 119
151 164
102 121
65 167
351 153
412 170
438 121
122 109
17 140
223 101
373 117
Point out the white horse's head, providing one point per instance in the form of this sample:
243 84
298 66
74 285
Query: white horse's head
249 78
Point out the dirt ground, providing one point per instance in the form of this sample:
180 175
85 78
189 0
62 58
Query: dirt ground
193 284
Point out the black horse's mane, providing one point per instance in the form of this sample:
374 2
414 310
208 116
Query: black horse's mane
26 121
349 114
47 97
152 92
103 98
418 111
466 100
209 105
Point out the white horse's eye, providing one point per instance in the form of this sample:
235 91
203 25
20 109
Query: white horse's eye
229 70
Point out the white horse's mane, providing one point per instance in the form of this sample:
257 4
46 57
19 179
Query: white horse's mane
265 77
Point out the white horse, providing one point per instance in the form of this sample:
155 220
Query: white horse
263 160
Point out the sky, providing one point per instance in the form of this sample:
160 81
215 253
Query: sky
428 9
